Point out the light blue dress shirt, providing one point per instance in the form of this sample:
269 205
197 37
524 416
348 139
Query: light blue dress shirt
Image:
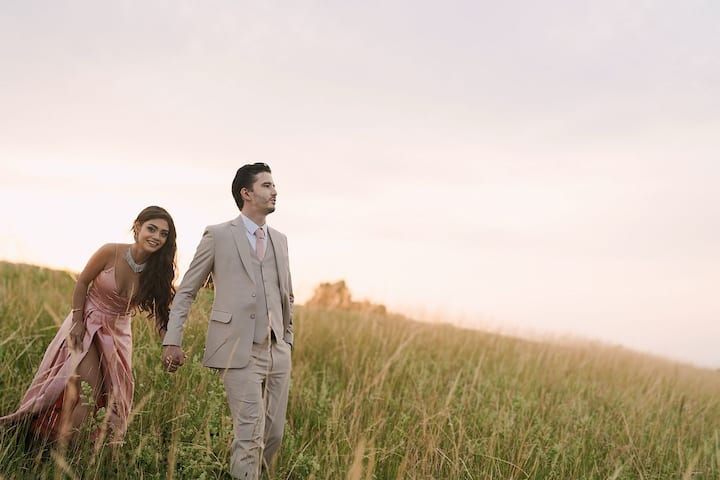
250 228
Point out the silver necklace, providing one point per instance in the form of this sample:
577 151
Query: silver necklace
136 267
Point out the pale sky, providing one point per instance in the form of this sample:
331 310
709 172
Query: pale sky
545 168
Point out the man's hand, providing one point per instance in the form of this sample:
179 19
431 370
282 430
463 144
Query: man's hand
173 357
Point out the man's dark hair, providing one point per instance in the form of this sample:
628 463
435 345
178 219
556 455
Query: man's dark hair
245 177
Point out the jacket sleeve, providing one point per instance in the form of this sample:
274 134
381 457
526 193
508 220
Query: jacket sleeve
195 277
291 304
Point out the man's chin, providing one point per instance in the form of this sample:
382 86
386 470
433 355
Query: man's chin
269 210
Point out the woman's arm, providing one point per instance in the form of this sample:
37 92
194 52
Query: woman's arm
97 263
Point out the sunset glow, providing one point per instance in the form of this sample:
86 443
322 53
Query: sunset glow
554 178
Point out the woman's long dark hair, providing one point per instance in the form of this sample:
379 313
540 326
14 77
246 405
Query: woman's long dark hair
156 290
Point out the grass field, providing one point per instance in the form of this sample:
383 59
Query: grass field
380 397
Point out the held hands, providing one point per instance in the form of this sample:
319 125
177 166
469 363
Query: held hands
173 357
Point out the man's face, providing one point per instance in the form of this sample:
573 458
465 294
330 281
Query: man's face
261 197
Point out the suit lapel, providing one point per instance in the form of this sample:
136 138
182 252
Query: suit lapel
243 246
281 260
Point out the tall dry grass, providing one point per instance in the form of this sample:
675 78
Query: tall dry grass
381 397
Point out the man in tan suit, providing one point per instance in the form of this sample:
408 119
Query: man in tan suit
250 332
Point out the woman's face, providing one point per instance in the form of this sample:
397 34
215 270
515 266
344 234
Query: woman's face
153 234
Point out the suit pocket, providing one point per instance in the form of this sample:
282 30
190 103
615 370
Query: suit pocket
219 316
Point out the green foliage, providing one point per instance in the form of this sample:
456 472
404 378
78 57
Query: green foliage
377 397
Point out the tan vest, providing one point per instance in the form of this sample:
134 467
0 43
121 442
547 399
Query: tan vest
269 304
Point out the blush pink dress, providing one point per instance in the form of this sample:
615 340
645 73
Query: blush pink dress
107 320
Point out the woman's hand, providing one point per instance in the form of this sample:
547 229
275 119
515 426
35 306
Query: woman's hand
173 357
77 334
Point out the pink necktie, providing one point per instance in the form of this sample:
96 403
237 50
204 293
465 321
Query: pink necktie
260 246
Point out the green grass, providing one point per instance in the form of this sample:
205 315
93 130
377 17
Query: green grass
380 397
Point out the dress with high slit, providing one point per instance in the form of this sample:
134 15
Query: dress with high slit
107 321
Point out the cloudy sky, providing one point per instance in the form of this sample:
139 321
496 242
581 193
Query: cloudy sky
545 168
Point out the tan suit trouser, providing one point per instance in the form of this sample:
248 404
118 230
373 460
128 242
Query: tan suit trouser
258 395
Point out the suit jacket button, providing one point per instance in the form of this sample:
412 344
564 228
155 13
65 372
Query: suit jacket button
252 315
253 294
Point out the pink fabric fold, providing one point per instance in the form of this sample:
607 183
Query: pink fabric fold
107 321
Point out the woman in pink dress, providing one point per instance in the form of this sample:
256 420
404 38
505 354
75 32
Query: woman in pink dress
94 343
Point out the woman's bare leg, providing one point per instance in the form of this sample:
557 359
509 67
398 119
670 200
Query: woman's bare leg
89 371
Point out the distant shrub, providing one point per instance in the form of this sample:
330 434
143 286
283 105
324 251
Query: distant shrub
337 295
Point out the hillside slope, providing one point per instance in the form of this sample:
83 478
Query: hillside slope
375 396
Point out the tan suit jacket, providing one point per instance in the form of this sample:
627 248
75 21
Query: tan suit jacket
225 252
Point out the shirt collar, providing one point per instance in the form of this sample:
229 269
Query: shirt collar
251 226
